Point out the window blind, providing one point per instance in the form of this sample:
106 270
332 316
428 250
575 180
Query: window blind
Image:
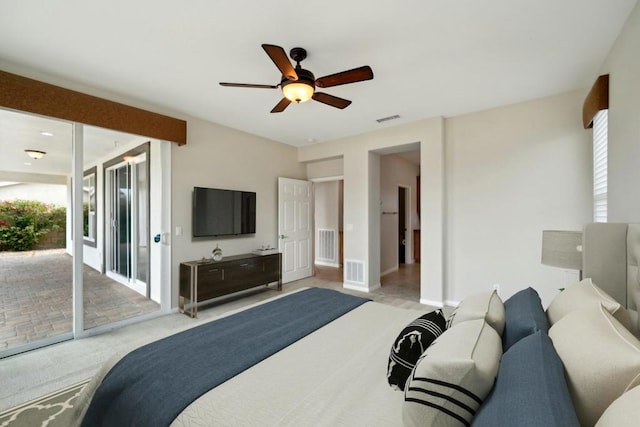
600 125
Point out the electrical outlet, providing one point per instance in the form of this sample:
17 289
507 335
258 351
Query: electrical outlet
496 288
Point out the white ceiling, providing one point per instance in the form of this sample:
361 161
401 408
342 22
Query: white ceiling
429 57
19 132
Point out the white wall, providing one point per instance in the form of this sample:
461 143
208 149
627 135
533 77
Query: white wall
373 220
361 159
333 168
623 67
396 172
53 194
219 157
511 173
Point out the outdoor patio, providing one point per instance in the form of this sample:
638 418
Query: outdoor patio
36 297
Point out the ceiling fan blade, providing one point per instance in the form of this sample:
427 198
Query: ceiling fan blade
248 85
279 108
350 76
279 57
334 101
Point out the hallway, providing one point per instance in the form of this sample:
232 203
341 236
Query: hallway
403 283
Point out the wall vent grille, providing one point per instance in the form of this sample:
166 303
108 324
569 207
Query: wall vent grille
354 271
386 119
327 245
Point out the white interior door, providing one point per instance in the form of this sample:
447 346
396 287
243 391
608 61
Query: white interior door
295 228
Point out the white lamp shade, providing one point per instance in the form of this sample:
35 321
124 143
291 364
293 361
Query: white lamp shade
297 91
562 249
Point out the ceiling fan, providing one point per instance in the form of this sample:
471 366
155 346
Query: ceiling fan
298 85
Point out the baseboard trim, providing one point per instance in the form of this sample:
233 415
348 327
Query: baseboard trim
437 304
360 288
452 303
376 286
327 264
389 271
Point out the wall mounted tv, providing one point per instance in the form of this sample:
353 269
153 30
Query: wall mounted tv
219 212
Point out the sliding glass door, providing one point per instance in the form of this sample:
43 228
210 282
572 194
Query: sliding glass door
92 269
127 192
35 264
119 242
123 254
141 220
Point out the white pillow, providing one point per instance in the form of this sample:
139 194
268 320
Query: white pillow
485 305
623 412
453 376
582 295
601 359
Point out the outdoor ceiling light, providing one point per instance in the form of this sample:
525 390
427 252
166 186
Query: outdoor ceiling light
35 154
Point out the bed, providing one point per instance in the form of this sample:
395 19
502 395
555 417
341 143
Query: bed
323 358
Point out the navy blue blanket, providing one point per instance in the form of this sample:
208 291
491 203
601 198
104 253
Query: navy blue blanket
151 385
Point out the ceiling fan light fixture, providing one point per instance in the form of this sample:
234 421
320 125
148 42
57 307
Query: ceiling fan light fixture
299 85
297 91
35 154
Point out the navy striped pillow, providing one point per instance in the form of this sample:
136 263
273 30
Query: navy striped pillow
410 344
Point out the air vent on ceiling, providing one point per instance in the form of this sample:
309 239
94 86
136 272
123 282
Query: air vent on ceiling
385 119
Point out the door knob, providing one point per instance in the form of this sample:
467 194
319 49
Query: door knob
282 236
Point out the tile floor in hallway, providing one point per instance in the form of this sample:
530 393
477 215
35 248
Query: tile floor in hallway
402 284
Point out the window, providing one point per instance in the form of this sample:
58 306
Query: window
89 206
600 125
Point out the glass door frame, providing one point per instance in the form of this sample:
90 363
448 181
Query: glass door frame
76 240
164 159
77 227
129 159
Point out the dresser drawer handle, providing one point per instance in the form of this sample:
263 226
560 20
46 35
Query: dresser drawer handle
215 270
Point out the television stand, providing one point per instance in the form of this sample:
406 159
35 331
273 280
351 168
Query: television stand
206 279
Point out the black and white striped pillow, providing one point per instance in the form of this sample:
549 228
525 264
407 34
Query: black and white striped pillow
410 344
453 376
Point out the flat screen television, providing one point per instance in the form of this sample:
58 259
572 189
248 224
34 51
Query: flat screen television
218 212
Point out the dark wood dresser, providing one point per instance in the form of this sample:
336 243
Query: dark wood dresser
206 279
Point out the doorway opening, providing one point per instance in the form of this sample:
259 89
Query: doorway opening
328 229
399 222
402 225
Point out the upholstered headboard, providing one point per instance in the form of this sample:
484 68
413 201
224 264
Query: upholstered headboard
611 258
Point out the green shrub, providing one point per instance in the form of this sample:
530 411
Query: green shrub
85 218
23 223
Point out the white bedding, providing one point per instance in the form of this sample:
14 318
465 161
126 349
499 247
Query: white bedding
333 377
